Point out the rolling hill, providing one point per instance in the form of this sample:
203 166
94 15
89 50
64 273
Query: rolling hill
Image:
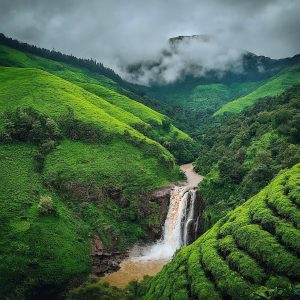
76 157
275 86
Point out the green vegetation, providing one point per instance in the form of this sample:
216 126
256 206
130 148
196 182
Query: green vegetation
75 165
275 86
80 155
40 253
191 103
98 90
243 153
203 96
245 255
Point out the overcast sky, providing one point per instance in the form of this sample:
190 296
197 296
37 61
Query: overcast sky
121 31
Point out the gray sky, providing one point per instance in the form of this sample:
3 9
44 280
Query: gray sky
119 32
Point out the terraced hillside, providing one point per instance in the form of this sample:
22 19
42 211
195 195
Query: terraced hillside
252 253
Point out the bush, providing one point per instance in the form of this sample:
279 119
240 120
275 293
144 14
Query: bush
27 124
84 131
46 207
166 124
97 291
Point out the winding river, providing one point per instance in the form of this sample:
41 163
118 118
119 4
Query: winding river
181 221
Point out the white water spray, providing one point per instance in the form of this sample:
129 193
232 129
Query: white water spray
177 226
180 229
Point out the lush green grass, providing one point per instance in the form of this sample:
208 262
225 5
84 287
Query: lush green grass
99 183
275 86
145 113
52 95
36 251
116 165
241 257
123 108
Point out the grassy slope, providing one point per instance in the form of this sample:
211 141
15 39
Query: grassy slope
253 248
201 96
52 95
35 250
118 165
277 85
132 164
133 111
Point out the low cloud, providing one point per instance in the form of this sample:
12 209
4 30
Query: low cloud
195 55
121 33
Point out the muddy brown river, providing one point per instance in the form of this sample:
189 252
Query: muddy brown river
149 260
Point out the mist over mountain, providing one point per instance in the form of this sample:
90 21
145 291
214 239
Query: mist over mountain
194 55
149 150
199 56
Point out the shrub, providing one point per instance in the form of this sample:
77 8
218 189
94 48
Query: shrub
97 291
46 206
166 124
27 124
85 131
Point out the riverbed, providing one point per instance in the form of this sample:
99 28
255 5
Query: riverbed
150 259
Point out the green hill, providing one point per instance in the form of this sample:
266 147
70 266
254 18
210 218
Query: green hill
78 160
36 250
252 253
149 122
275 86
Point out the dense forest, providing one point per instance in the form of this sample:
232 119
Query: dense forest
240 154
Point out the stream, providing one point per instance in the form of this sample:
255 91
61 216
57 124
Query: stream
180 229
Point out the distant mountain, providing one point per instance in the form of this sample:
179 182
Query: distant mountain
187 56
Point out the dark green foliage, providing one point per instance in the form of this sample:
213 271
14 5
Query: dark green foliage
84 131
241 155
98 291
90 64
249 254
30 126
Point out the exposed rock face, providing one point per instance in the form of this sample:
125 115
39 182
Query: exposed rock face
196 226
104 261
162 198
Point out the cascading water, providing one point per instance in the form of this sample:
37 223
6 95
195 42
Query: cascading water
190 225
181 228
180 225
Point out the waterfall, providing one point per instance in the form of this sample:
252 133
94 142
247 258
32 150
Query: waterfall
180 225
190 221
172 234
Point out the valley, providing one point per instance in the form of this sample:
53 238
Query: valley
101 193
